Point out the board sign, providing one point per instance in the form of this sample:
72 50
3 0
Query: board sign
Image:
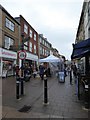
22 54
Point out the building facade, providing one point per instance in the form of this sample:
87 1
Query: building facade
83 33
9 36
44 47
31 46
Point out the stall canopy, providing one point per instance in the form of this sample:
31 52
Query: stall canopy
50 58
81 49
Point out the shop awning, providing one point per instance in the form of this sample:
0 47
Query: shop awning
81 49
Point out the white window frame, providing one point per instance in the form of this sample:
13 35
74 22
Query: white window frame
9 24
8 42
30 46
30 34
35 36
25 47
25 28
35 49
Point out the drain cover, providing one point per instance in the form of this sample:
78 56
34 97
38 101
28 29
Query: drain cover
25 108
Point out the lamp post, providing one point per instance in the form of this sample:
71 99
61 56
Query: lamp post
22 67
22 62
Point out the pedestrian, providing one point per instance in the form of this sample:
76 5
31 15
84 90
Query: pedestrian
74 69
17 71
70 76
27 72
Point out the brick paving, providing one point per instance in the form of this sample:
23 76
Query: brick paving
63 102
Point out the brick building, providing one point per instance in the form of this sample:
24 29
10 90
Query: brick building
9 36
31 46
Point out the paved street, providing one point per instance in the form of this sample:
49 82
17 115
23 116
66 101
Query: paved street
63 102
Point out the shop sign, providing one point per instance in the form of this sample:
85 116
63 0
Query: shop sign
31 57
22 54
8 54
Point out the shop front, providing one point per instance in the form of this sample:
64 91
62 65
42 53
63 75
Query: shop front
81 51
31 59
7 62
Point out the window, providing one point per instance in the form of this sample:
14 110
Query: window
9 24
40 40
45 52
30 33
35 49
25 28
41 51
8 42
25 48
34 36
43 42
26 43
30 46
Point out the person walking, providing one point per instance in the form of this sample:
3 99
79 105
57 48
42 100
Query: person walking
74 69
70 76
17 71
27 72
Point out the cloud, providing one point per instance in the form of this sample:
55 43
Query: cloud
57 20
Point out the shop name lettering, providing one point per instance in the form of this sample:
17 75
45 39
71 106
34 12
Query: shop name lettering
10 54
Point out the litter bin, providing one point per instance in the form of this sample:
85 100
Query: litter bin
61 77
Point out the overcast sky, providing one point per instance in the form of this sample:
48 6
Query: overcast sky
57 20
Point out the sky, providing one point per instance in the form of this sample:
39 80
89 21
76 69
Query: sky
57 20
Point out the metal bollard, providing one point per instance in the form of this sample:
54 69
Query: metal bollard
45 92
86 97
22 86
17 89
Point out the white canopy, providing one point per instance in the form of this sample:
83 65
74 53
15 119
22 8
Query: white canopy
50 58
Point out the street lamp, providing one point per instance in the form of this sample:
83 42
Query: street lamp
22 62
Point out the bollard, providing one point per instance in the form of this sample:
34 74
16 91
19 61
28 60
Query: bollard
86 97
17 89
45 91
22 86
70 77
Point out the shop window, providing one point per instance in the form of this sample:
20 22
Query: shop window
7 69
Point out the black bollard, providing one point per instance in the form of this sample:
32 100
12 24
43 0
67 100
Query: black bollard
22 86
70 77
17 89
45 91
86 97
